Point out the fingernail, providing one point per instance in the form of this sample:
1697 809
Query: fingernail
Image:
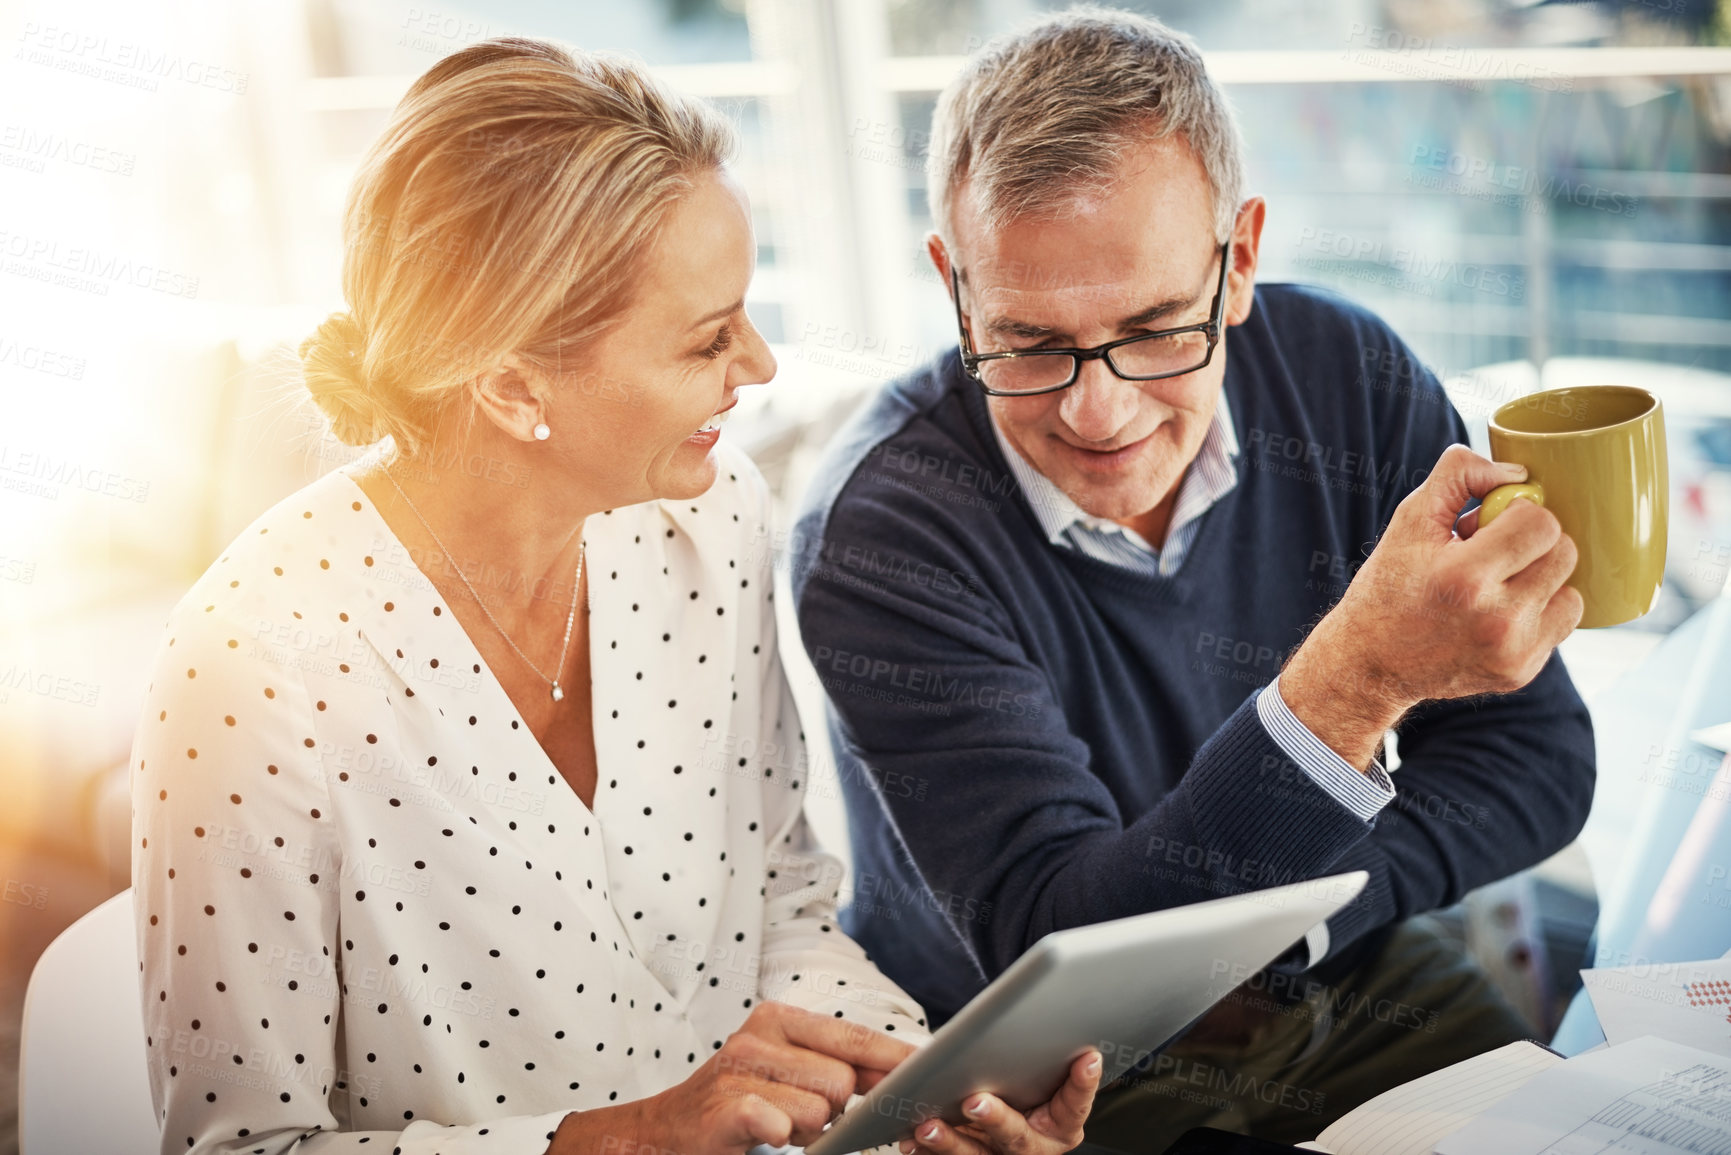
1093 1067
928 1132
906 1147
975 1106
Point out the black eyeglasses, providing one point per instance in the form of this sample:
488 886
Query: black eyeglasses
1144 357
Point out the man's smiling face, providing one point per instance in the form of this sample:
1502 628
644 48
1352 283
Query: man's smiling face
1139 256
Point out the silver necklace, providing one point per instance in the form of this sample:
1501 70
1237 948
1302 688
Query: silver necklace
570 618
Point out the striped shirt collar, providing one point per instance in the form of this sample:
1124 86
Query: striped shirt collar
1209 478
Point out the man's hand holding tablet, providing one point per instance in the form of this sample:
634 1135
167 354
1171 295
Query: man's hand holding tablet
1049 1129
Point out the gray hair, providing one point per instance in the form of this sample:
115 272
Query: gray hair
1042 115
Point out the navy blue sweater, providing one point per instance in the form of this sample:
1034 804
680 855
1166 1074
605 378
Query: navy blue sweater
1029 739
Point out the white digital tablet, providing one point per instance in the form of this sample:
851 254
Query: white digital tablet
1124 987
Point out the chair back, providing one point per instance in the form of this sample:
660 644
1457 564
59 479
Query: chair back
83 1083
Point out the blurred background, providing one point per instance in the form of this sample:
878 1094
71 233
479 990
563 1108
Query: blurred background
1533 193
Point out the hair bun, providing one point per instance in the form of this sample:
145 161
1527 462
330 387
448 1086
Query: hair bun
331 360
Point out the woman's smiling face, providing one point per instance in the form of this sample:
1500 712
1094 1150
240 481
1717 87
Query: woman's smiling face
675 359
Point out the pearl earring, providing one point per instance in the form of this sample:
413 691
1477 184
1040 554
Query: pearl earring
542 433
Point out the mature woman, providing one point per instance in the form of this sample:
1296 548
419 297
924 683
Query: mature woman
467 798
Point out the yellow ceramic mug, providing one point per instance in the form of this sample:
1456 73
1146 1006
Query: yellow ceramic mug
1595 457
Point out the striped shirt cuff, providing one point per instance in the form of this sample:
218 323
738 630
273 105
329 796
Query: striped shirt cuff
1317 942
1363 794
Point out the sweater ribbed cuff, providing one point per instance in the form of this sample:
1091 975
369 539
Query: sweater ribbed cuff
1251 801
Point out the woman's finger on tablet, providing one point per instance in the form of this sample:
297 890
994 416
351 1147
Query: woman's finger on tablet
1062 1118
865 1079
806 1112
752 1119
753 1054
852 1043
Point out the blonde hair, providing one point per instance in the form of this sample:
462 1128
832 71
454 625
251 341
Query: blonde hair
1043 115
504 210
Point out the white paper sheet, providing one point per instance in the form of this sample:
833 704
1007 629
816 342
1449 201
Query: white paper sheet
1410 1119
1718 737
1686 1003
1646 1097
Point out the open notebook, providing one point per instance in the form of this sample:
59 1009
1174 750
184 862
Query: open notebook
1414 1117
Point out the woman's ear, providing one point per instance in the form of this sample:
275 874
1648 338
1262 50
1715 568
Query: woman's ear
513 395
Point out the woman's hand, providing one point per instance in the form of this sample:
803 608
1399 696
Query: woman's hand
1049 1129
776 1080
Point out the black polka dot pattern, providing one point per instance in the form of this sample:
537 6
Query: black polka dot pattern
368 902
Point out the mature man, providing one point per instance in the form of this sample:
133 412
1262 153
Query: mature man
1099 627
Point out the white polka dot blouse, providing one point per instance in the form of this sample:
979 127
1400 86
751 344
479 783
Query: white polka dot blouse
371 914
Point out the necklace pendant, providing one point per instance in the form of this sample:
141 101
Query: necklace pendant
558 694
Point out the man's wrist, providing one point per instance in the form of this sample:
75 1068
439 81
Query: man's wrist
1340 696
1363 792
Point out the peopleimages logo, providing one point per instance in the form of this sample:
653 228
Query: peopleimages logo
916 687
26 148
88 269
1425 57
38 359
1302 459
1365 257
126 62
42 475
1481 177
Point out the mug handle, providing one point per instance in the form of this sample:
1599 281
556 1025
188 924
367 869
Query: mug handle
1497 500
